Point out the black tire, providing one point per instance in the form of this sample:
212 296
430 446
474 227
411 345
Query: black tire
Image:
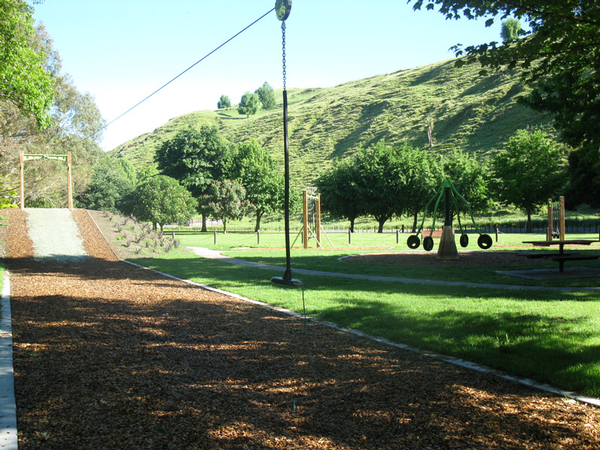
428 243
484 241
413 241
464 240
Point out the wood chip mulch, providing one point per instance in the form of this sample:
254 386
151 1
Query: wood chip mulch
109 356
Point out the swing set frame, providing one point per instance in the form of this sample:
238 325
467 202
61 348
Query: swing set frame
28 157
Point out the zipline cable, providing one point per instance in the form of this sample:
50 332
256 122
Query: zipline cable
186 70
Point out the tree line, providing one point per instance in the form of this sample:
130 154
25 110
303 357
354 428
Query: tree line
199 172
384 181
196 172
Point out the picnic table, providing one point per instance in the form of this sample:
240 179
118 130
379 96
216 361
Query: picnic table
561 256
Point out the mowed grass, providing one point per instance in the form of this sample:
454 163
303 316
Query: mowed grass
547 335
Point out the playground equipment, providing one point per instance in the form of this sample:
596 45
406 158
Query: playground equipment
447 249
66 158
311 215
283 9
556 219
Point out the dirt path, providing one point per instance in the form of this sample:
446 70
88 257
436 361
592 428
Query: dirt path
108 356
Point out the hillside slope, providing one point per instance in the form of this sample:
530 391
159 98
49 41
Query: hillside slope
469 113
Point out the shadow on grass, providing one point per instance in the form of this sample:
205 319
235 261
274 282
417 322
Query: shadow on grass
545 335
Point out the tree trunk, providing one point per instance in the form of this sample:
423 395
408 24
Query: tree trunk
352 225
258 217
381 222
528 229
415 219
203 230
224 226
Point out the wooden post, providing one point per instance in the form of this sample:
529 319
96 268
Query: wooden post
22 158
318 214
69 186
305 207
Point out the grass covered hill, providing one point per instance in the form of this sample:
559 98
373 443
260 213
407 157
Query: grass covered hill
468 112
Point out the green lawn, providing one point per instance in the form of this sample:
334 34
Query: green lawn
547 335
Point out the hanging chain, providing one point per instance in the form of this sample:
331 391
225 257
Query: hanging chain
283 53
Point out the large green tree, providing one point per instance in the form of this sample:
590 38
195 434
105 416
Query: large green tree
379 188
74 121
558 57
225 200
421 176
161 200
338 187
469 176
24 79
528 172
262 178
195 157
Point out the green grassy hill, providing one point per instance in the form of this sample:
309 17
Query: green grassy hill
469 113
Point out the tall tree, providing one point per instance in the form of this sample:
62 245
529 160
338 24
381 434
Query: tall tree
194 157
74 119
24 80
530 171
248 104
558 58
266 95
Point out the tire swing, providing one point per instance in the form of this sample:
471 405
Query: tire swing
450 193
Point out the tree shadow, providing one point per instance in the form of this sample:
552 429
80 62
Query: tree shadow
118 359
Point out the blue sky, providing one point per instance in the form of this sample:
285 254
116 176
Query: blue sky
120 51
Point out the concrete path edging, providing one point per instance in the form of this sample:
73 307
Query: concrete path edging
8 409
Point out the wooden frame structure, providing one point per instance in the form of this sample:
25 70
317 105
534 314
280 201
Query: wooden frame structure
317 198
66 158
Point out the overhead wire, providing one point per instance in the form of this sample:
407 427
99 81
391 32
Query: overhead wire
182 73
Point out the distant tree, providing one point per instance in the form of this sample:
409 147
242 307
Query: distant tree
262 177
338 187
224 102
249 104
225 200
528 172
266 95
511 30
194 157
161 200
